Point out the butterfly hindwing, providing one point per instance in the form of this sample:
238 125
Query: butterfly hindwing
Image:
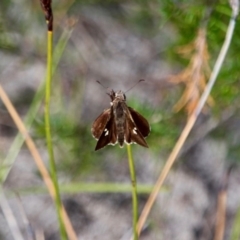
133 134
140 122
108 135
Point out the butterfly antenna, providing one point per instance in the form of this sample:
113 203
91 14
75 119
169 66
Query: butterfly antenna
141 80
108 89
101 84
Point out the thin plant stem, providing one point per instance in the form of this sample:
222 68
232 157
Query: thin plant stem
235 233
221 206
134 191
221 215
190 123
9 216
37 158
32 112
81 187
52 164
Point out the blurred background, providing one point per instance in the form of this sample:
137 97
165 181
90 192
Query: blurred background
173 45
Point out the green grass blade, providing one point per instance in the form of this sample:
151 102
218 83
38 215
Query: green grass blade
75 188
134 191
52 164
32 112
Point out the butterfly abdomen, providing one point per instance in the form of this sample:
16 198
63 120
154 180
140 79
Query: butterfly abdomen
120 123
120 133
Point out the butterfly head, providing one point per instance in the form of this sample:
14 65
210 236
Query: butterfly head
117 96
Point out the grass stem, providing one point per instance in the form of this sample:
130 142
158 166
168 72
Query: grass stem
52 164
190 123
134 191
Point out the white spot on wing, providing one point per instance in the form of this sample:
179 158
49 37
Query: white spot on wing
105 130
134 131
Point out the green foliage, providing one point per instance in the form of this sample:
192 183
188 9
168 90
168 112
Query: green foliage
5 41
73 143
235 233
164 127
187 18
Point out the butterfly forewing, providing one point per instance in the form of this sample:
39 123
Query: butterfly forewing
140 122
100 123
108 135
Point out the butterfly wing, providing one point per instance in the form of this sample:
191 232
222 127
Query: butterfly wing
108 136
104 129
100 123
140 122
133 135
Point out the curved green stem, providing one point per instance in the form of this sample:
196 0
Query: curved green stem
48 135
134 191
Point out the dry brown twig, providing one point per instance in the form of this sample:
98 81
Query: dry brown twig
221 207
37 158
192 118
10 218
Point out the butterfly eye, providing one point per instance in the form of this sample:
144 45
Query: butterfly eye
112 95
